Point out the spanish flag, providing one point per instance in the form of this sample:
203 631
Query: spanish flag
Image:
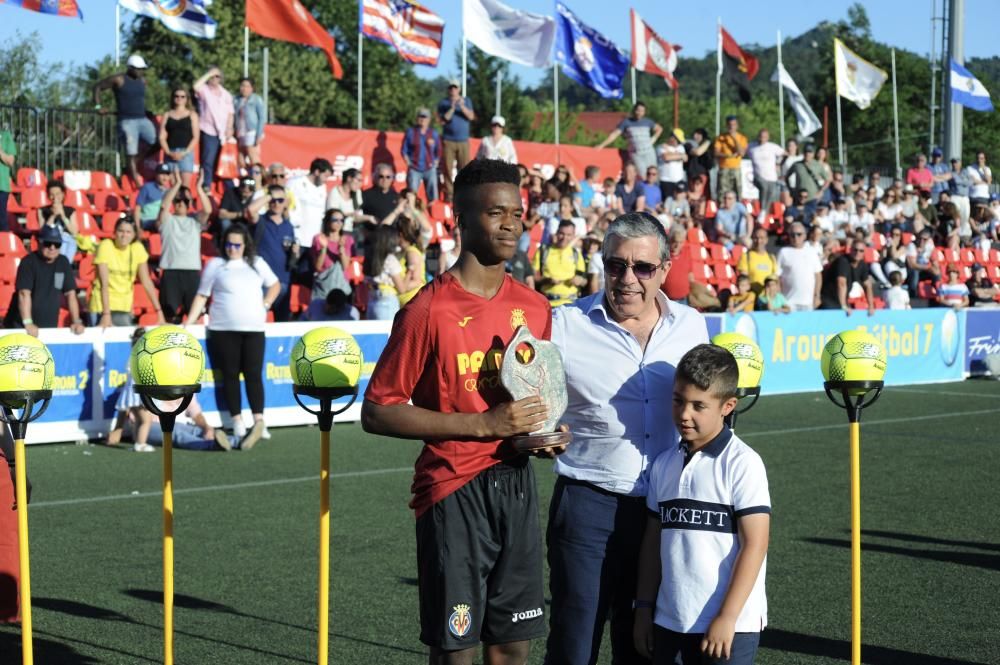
740 67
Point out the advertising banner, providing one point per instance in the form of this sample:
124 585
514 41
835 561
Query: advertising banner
922 345
981 339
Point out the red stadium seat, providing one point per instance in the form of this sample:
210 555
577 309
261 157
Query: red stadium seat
907 238
967 256
939 256
871 256
299 297
6 297
73 179
29 178
718 254
77 200
155 245
711 208
735 254
993 272
141 301
878 241
11 245
702 273
85 272
101 181
777 209
927 290
87 226
695 236
724 276
995 257
105 201
8 268
965 272
982 257
108 221
208 246
35 198
356 271
147 318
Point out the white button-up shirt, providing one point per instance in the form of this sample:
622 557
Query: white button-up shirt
620 397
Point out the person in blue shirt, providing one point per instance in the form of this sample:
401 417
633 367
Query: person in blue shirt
654 197
422 152
274 236
455 113
147 202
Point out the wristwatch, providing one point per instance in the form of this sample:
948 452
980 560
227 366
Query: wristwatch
643 604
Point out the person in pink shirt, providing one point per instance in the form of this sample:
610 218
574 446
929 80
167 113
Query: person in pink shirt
215 109
920 176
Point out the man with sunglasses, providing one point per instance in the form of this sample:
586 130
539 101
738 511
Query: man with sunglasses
619 348
43 279
801 271
381 198
276 244
181 260
840 277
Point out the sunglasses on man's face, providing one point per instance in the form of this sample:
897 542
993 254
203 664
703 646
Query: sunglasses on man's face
277 175
616 268
184 201
385 176
277 200
51 245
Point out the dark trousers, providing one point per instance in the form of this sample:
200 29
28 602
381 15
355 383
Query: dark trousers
177 291
593 542
670 648
231 353
210 147
4 226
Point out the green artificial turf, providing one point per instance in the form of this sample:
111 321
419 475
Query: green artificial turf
246 542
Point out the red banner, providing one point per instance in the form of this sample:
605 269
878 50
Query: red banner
295 147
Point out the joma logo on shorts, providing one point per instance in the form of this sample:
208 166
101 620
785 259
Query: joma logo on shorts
530 614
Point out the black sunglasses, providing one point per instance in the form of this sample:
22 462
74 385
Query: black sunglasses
50 245
184 201
616 268
273 200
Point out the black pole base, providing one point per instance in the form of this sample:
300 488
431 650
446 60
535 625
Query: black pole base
742 406
326 396
29 399
148 395
854 395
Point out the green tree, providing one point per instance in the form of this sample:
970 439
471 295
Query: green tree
24 79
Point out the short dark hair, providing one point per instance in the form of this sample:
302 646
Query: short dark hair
591 171
247 79
567 222
275 188
58 184
482 172
711 368
349 173
321 165
240 229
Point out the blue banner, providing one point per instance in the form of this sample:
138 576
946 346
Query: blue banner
922 345
71 389
587 56
982 338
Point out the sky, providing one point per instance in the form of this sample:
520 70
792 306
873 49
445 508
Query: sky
905 24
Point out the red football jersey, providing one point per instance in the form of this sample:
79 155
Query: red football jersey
444 355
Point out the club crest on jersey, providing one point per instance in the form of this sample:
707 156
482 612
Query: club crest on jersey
517 318
460 621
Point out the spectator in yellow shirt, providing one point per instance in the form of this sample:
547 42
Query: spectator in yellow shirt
758 263
560 270
729 150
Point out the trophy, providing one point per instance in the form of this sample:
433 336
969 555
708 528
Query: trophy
536 369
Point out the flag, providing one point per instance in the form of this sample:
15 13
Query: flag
587 56
967 90
511 34
650 52
413 30
740 67
289 21
186 17
808 122
54 7
857 79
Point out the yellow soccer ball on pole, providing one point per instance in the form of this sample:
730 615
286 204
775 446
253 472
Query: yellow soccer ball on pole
748 356
326 357
167 356
25 365
853 355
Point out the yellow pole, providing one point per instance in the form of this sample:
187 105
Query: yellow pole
168 549
855 543
324 549
21 480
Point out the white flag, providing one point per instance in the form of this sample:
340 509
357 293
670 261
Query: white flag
189 18
857 79
507 33
808 122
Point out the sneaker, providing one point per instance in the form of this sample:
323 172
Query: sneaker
239 429
143 448
222 440
266 435
253 436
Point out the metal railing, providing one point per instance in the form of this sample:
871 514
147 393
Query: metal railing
63 138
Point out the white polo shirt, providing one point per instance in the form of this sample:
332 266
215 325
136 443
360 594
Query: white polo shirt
699 503
619 395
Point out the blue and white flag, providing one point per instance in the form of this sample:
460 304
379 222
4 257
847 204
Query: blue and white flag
508 33
967 90
187 17
587 56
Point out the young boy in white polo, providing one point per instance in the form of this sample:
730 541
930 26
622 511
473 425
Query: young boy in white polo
700 593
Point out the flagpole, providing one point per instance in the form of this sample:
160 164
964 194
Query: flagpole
840 135
677 105
633 86
361 49
499 90
781 94
246 50
465 57
718 78
555 95
895 112
267 85
118 35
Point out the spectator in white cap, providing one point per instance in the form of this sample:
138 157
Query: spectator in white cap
130 99
497 145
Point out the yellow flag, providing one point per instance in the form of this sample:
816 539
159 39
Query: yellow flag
857 79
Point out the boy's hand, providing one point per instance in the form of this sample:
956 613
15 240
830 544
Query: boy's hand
510 418
642 632
718 640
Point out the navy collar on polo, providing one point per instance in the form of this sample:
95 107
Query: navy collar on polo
714 447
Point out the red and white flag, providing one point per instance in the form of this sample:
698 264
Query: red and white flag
651 53
290 21
413 30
